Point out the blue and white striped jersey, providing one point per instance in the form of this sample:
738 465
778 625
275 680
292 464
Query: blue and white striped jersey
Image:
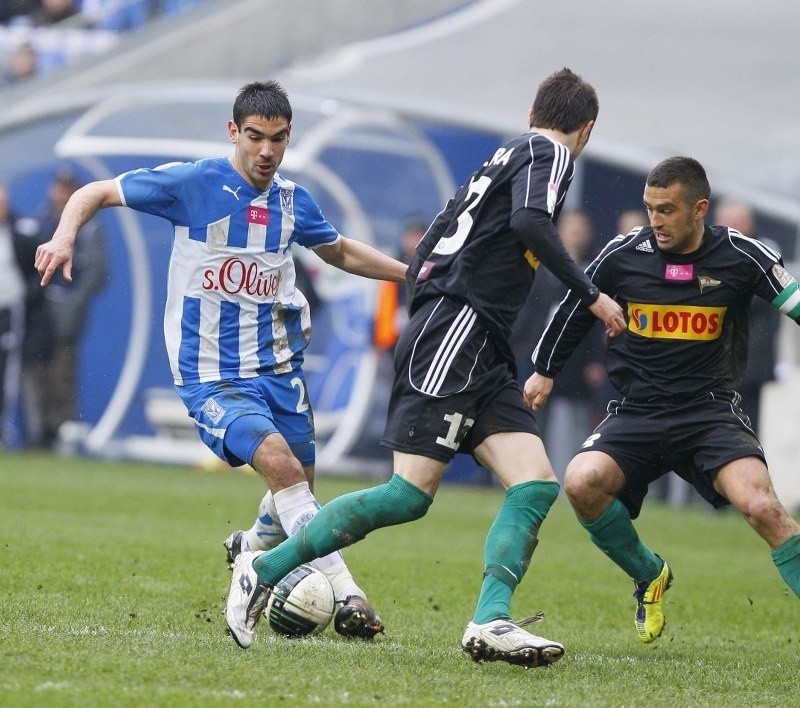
232 309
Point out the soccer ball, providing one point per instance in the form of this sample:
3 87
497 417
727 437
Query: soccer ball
301 603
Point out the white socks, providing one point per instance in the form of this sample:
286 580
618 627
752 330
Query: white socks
295 506
267 531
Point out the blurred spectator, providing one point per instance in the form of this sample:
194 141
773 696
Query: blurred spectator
176 7
22 64
37 347
391 310
52 11
67 306
117 14
11 10
630 219
765 320
578 398
391 315
12 314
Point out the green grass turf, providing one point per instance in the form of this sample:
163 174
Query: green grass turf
112 584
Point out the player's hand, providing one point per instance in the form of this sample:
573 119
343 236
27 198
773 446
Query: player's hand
609 313
537 391
55 254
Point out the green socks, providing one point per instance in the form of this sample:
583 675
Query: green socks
342 522
613 533
510 543
787 559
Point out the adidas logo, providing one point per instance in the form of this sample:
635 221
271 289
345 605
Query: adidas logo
645 246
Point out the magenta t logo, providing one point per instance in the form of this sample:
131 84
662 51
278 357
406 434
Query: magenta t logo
679 271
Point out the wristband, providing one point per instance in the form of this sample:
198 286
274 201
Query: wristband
591 296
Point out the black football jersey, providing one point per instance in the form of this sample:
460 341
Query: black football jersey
470 253
687 314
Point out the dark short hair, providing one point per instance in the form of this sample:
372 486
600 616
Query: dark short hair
265 99
685 171
564 102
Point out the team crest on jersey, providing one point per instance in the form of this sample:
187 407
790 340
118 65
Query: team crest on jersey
213 410
287 201
645 246
706 281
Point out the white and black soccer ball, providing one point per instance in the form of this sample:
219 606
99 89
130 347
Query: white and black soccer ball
301 603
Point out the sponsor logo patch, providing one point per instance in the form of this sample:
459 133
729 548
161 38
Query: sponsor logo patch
679 271
257 215
239 277
533 261
685 322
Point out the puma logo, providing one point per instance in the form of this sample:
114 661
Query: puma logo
235 193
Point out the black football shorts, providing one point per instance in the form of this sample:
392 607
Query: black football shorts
692 438
452 389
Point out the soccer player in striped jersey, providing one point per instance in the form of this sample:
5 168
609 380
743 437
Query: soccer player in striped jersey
686 288
235 324
455 386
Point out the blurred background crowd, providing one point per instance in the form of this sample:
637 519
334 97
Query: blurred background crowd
40 36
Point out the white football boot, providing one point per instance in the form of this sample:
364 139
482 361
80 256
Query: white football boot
247 599
502 640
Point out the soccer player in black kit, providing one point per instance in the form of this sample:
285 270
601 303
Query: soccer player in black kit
686 288
455 383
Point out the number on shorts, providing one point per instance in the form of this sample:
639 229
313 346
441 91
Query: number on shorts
455 433
302 400
590 440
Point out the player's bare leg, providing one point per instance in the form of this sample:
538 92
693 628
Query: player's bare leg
746 484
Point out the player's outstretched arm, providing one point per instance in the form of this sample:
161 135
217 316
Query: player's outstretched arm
82 206
360 259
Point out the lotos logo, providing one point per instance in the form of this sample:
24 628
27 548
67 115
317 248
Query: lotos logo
686 322
638 318
237 277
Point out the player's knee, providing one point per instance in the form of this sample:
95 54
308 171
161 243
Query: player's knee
274 461
761 510
402 501
583 480
576 479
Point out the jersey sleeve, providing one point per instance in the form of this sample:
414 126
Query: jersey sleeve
572 320
311 227
166 191
543 182
773 282
780 288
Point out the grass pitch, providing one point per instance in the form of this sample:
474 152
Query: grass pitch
112 584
